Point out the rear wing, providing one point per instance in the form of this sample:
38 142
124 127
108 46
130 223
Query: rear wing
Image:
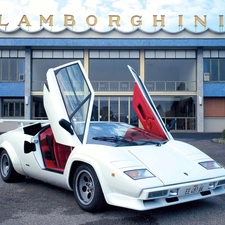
12 124
22 122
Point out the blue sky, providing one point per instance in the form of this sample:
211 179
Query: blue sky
12 12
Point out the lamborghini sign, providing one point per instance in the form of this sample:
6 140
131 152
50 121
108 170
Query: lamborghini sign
112 20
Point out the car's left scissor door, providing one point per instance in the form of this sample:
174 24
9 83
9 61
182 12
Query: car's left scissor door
68 101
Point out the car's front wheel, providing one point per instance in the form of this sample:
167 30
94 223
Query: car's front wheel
87 189
8 173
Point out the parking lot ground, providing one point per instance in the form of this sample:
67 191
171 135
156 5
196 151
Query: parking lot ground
196 135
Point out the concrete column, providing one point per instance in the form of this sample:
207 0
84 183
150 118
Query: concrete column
27 94
86 62
0 107
200 99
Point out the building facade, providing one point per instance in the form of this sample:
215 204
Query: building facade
184 72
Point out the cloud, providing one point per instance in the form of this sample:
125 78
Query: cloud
13 11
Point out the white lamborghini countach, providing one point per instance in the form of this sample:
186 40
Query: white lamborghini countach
106 163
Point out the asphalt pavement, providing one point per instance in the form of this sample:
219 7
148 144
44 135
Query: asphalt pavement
195 135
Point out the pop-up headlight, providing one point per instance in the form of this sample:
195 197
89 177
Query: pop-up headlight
210 165
139 174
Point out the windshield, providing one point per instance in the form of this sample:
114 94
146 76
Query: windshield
121 134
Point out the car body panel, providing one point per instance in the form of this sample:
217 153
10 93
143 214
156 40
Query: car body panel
7 143
174 167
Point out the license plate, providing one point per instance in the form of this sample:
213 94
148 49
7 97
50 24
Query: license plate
194 189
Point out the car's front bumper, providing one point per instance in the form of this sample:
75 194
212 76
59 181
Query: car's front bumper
169 195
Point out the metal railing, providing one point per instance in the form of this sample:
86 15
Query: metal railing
171 85
128 85
151 85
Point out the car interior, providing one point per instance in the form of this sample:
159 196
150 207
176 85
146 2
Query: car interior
54 154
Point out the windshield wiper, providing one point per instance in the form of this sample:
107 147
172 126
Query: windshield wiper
154 142
116 139
121 141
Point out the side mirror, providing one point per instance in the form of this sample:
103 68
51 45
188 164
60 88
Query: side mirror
66 125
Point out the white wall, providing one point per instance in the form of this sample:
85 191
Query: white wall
212 124
7 126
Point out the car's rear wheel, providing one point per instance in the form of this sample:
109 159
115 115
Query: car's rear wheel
8 173
87 189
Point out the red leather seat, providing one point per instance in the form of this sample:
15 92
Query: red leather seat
61 153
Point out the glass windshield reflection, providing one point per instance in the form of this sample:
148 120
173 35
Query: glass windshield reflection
121 134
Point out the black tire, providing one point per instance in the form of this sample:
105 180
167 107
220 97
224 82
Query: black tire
87 190
8 173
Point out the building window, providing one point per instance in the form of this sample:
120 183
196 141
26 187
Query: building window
214 69
170 74
40 68
13 108
114 108
45 59
108 69
12 69
38 110
112 74
181 108
119 108
222 69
